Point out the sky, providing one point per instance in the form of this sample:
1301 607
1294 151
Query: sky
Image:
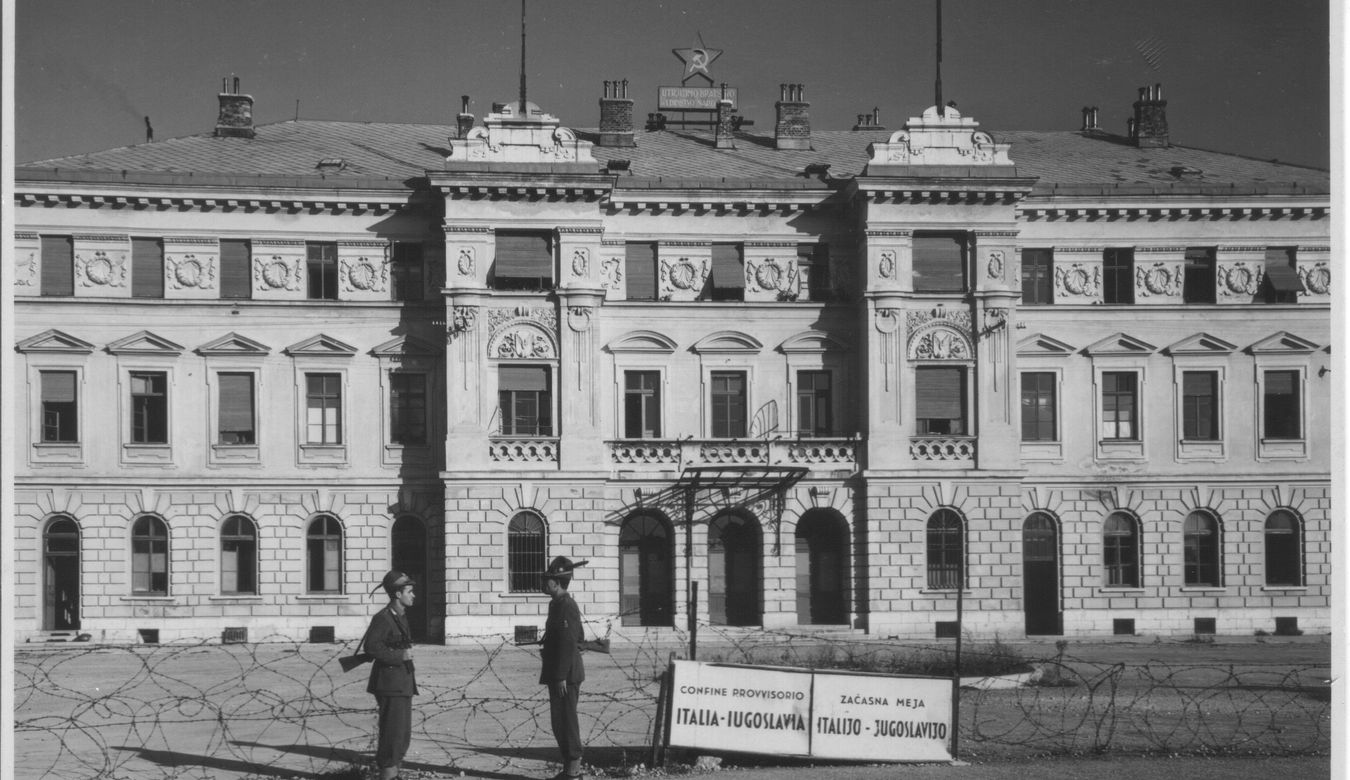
1249 77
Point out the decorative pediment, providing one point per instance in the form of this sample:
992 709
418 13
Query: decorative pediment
55 341
405 346
1283 342
1041 344
938 138
233 344
1200 344
648 341
812 341
321 345
523 339
144 343
1119 344
520 133
727 341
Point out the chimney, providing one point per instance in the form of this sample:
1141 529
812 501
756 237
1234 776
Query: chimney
723 138
616 115
464 120
1149 129
236 111
870 121
792 130
1089 120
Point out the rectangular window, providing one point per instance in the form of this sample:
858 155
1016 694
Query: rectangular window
939 263
726 280
1118 276
147 268
149 407
408 280
1281 283
1038 406
1200 405
235 423
1120 417
814 404
322 263
525 398
323 408
639 262
523 261
813 268
1038 284
58 265
408 408
729 404
59 408
235 272
1282 413
940 401
642 404
1198 282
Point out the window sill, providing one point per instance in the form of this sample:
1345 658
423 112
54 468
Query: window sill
248 599
1123 590
943 592
324 597
534 596
152 599
1203 589
1285 588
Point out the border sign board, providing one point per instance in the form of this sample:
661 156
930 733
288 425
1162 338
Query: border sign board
818 714
692 98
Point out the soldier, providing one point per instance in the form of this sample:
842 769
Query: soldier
392 678
562 669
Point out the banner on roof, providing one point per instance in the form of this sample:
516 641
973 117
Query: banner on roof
819 714
692 98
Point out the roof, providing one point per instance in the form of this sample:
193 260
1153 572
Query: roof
395 153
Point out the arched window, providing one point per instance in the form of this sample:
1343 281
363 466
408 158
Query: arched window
945 548
61 575
1284 549
1201 541
238 556
323 550
734 567
646 576
526 552
1120 549
149 557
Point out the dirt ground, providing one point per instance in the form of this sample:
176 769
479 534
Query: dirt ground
286 711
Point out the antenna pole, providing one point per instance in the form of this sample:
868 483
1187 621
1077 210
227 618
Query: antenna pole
522 57
937 86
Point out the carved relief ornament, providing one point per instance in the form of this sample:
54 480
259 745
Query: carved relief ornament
1316 279
101 269
1238 279
278 273
1078 280
189 271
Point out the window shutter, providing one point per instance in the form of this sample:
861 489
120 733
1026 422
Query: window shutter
1198 383
939 264
939 393
1280 383
640 264
236 402
523 255
522 378
235 281
58 265
147 268
58 387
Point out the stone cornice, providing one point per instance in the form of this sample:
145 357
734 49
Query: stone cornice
101 237
192 240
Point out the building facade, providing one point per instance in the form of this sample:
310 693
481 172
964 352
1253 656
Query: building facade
795 380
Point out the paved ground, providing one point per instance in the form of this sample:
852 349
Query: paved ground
264 712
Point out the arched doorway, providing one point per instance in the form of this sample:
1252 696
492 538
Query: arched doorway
1040 575
822 569
646 576
409 549
61 576
734 571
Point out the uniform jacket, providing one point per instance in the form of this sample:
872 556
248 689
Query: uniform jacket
561 655
386 639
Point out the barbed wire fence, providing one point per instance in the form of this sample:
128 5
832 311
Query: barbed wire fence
264 708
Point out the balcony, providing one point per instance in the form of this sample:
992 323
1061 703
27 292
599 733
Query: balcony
534 450
823 454
937 449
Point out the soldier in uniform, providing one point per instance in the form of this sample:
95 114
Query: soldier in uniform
392 678
563 671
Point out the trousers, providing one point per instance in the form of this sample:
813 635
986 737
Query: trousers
395 721
566 730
